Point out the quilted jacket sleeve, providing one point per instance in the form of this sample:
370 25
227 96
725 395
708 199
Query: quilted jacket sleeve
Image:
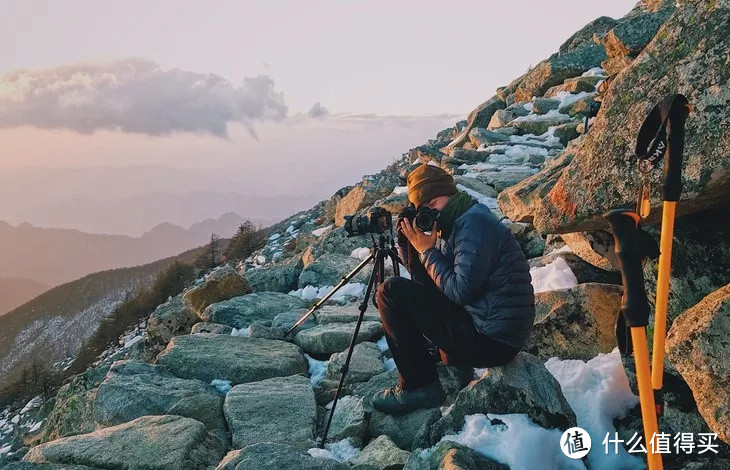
475 246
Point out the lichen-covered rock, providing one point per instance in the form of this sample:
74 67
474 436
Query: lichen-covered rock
449 455
382 454
697 344
365 363
575 323
542 105
523 385
349 420
280 409
73 410
408 431
133 389
206 327
594 247
369 190
479 117
172 318
329 269
240 312
222 284
276 456
280 277
344 313
683 57
479 136
335 337
558 67
149 442
208 356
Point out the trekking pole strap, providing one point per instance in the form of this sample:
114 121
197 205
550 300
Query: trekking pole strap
662 136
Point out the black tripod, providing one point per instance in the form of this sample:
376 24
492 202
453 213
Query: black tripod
380 251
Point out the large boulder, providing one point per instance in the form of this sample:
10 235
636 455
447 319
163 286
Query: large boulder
700 261
575 323
349 421
479 117
174 317
335 337
280 409
595 247
240 312
448 455
523 385
207 357
382 454
147 443
602 174
558 67
697 345
408 431
369 190
133 389
280 277
329 269
276 456
221 284
366 362
632 33
73 408
598 28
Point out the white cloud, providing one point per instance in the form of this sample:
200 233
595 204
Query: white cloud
136 96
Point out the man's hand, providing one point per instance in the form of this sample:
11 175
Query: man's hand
418 239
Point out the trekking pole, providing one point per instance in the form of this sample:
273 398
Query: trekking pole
662 135
635 311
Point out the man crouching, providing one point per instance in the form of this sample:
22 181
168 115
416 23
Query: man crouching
471 296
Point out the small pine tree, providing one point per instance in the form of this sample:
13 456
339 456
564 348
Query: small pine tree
248 239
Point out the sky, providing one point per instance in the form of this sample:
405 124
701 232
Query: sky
282 97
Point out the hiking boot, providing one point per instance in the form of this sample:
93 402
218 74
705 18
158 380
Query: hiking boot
396 401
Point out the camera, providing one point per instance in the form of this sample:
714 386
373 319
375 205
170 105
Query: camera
377 220
424 216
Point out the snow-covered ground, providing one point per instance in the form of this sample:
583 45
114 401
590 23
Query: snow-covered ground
553 276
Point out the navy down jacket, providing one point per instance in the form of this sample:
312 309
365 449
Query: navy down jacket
482 267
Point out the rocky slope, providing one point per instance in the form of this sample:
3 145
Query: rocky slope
216 384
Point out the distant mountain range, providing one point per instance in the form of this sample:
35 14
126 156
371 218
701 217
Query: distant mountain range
129 200
16 291
40 258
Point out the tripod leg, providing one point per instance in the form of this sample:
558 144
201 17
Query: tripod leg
379 261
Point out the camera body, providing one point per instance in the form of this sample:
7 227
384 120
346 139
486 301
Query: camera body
377 220
424 216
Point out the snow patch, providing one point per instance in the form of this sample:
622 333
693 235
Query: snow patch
594 72
515 441
382 344
245 332
321 231
342 451
360 253
553 276
133 341
598 391
398 190
351 289
223 386
317 369
550 115
389 364
567 98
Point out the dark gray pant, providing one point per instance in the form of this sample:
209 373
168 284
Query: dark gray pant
411 310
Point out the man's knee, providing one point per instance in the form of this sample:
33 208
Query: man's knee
392 291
